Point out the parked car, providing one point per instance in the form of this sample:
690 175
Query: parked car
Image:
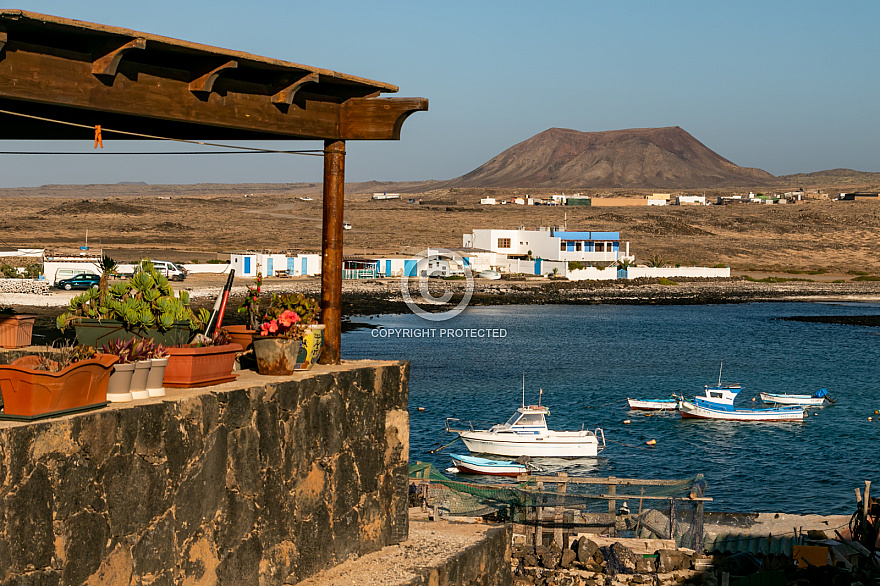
169 269
81 281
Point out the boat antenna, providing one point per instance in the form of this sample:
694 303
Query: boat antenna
540 392
719 373
524 390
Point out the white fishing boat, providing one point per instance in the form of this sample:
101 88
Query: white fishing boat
475 465
818 399
526 434
717 403
653 404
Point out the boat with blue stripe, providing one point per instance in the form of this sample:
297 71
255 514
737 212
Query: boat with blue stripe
475 465
717 403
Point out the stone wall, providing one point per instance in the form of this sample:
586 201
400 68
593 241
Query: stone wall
24 286
252 482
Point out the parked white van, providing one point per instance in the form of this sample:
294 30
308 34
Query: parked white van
169 269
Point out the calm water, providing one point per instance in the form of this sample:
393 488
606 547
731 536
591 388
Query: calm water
589 359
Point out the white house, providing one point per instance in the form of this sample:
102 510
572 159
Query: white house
248 264
488 201
549 244
691 200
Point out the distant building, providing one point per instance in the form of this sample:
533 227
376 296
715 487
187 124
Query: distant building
860 196
691 200
549 244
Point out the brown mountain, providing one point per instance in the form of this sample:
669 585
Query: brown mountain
641 157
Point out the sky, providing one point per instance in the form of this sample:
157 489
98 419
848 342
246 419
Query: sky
788 87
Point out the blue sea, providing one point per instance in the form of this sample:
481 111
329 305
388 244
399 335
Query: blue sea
589 359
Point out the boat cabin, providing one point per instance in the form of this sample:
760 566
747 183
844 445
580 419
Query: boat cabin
526 420
719 396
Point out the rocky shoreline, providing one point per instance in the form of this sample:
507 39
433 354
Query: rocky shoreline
378 297
384 296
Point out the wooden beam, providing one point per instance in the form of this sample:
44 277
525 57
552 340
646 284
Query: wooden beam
147 99
286 95
331 250
107 64
4 36
377 118
205 83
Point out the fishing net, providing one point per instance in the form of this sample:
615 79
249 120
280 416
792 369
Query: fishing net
646 509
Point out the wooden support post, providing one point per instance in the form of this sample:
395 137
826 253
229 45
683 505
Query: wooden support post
331 250
698 529
557 517
539 519
612 505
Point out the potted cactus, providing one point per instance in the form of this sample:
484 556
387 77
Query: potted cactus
145 306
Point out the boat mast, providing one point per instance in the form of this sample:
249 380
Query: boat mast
524 390
719 373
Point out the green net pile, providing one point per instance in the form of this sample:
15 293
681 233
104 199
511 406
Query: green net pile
516 500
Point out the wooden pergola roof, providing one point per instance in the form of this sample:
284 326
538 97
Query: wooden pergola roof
67 79
86 73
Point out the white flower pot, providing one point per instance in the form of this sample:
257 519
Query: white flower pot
139 380
154 379
119 387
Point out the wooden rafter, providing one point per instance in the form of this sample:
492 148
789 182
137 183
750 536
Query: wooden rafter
205 83
285 96
108 63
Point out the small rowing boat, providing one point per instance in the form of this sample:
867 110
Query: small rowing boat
818 399
653 404
475 465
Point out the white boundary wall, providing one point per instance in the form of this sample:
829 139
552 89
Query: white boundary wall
593 274
706 272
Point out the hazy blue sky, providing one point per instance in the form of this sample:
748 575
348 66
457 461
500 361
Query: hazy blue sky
785 86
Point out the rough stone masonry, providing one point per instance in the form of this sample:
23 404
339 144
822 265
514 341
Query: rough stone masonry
266 480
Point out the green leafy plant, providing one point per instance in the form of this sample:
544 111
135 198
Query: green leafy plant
656 262
666 282
58 357
251 304
307 308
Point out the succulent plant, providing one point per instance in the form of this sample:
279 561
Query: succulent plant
146 300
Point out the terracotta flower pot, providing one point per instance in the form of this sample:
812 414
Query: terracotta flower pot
119 386
155 387
16 330
241 335
200 367
276 355
32 394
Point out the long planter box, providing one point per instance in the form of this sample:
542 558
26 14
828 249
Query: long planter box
94 332
16 330
200 367
33 394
